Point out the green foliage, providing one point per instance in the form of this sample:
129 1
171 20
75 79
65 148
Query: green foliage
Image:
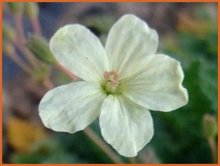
179 135
48 151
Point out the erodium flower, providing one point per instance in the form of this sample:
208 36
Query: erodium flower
121 83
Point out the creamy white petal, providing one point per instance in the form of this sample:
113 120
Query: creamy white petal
71 107
129 39
156 83
125 125
80 51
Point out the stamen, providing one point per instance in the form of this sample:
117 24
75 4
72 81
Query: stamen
111 81
106 75
112 77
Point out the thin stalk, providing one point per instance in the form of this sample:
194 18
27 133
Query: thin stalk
67 72
19 27
21 40
36 25
20 63
27 54
48 84
212 145
133 160
109 152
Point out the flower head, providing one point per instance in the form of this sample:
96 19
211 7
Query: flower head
121 83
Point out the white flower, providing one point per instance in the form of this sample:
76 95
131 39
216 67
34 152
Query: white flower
122 82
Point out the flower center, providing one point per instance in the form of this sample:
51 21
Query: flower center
111 82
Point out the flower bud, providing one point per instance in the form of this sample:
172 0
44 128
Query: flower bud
209 126
39 47
31 9
8 32
16 7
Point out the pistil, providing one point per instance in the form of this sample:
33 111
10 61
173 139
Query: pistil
111 83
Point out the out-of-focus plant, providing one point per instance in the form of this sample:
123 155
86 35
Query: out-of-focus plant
32 12
210 132
21 134
194 42
39 48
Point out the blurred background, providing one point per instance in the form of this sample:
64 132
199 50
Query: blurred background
187 32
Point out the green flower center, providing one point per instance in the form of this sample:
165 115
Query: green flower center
111 84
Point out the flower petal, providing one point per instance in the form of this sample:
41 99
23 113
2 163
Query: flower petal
80 51
125 125
71 107
157 83
129 39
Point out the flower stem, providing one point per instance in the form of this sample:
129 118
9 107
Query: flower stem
21 40
19 62
67 72
213 149
132 160
48 84
22 65
109 152
36 25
